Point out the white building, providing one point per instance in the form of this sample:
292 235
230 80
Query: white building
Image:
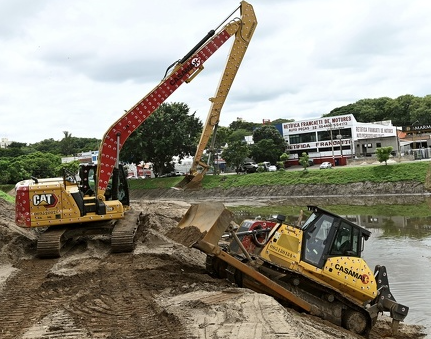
89 157
182 165
5 142
337 138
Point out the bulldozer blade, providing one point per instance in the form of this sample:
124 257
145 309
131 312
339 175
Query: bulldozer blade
190 182
205 221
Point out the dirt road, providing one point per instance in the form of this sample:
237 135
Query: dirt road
161 290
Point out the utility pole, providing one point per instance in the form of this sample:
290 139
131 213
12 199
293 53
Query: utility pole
413 134
332 145
340 138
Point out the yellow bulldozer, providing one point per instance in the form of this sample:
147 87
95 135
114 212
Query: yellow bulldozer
315 264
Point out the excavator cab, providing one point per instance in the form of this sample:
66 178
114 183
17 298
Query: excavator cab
117 188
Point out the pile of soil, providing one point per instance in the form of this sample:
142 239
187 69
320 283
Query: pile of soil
161 290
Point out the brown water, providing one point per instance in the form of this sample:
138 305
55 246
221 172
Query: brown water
403 245
408 262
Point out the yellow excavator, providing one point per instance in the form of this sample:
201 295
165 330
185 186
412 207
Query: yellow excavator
314 265
193 179
97 201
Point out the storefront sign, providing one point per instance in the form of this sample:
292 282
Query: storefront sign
319 124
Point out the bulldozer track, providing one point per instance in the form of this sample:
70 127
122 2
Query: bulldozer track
329 310
326 306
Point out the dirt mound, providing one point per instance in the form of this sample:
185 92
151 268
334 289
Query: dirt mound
161 290
15 242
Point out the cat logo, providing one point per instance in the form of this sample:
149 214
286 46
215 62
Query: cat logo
46 199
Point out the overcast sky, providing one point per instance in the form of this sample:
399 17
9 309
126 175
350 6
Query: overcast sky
77 65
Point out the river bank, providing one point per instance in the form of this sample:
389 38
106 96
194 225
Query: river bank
361 193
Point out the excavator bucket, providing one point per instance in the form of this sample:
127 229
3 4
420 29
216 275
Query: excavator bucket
205 221
190 182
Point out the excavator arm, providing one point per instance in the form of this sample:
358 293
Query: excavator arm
182 71
243 36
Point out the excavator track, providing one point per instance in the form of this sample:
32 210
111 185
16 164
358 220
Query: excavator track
124 232
50 242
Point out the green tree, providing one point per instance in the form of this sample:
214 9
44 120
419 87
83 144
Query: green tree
85 145
71 167
238 135
17 171
15 149
4 172
222 137
47 145
267 136
283 158
401 111
383 154
303 161
241 124
422 111
67 144
270 132
281 121
235 153
169 131
265 150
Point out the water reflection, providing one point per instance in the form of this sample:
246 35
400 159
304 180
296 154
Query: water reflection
394 226
400 240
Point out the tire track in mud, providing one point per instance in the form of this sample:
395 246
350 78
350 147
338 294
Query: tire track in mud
20 302
114 300
118 304
235 313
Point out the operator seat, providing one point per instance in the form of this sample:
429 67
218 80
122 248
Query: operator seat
345 246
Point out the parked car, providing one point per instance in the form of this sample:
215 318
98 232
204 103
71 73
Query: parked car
249 167
325 165
266 165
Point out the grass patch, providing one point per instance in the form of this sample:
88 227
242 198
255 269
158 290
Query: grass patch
413 171
7 197
6 188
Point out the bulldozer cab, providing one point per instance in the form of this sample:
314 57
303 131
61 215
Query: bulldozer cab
329 235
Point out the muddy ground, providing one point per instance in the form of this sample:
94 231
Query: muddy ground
161 290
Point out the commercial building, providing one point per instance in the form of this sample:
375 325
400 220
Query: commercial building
336 139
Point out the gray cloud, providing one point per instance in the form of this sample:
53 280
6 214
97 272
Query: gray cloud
63 63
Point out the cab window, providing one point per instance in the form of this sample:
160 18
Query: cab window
316 239
346 241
